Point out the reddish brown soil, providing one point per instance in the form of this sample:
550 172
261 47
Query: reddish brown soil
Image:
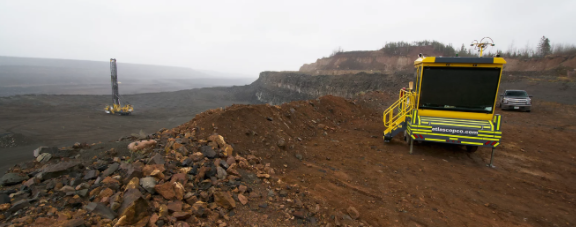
345 163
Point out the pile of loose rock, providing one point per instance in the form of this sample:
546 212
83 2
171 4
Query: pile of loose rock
175 179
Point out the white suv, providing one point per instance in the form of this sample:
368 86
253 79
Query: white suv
516 100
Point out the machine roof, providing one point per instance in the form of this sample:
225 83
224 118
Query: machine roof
496 60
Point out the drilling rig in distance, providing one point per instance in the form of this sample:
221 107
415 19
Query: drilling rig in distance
116 107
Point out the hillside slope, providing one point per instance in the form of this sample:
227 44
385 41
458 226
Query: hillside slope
347 74
308 163
280 87
379 61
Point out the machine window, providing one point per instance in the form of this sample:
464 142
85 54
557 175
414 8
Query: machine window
459 89
517 93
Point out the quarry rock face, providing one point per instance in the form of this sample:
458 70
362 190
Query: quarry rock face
275 88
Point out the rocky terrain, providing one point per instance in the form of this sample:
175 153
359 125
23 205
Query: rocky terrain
280 87
291 149
319 162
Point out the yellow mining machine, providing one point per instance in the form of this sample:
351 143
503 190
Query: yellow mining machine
452 101
117 107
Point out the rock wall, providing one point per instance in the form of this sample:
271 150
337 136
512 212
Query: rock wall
350 73
379 62
280 87
373 62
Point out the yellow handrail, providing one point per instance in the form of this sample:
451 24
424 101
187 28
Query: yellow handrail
402 106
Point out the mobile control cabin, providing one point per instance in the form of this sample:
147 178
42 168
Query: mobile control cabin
452 101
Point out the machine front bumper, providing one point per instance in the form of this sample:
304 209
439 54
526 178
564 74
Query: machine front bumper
516 106
456 131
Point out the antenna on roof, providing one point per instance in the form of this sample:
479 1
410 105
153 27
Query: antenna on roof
483 44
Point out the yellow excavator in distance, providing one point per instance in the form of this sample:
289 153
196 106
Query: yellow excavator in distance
117 107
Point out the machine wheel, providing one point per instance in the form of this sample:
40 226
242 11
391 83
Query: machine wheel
411 142
471 149
406 138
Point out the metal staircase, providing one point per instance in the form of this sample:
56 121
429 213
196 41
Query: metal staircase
394 117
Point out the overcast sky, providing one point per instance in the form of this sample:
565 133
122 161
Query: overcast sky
247 37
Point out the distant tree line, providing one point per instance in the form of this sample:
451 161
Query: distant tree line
336 51
403 48
543 49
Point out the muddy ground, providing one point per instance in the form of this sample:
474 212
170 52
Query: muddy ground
345 163
333 147
27 122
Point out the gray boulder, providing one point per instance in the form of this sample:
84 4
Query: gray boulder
19 205
157 159
101 210
208 151
148 183
59 169
111 169
54 151
12 179
44 157
4 198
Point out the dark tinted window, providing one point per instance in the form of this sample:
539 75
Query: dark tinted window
517 93
459 89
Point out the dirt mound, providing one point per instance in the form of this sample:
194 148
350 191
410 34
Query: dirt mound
279 131
178 179
333 148
227 163
316 162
